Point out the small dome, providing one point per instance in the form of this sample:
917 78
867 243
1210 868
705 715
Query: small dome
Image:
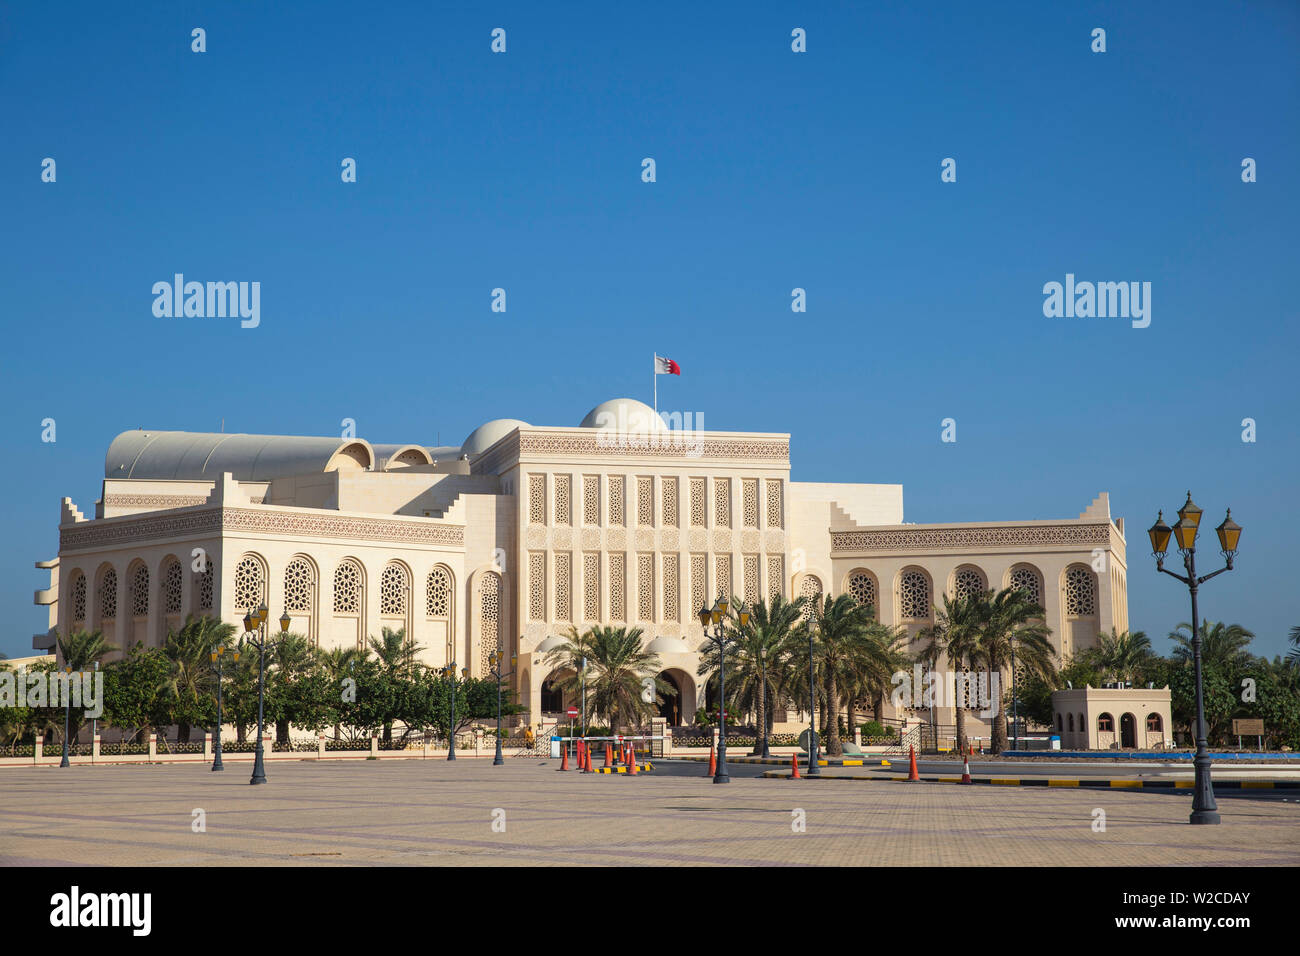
668 645
549 644
624 415
488 434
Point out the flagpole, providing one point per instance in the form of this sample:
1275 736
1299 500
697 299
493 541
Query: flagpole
654 374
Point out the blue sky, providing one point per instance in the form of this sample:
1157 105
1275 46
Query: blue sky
775 170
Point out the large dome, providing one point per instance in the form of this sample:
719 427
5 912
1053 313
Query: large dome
488 434
624 415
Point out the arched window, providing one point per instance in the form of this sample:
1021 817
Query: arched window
437 593
810 588
172 576
1058 723
299 586
1082 723
140 591
1071 723
1026 578
347 588
489 619
968 582
914 595
1154 724
1105 723
862 588
78 592
207 583
1080 592
250 583
108 594
394 591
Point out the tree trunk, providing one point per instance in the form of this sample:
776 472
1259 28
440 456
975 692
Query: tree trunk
853 715
241 731
833 746
183 733
760 724
282 731
999 718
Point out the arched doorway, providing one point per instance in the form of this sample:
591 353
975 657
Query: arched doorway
552 701
670 705
1128 731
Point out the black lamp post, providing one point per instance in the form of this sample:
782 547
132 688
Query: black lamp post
216 657
1204 809
498 760
450 671
67 718
255 623
719 637
814 761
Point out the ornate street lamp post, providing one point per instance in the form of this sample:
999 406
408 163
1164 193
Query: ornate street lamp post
216 657
719 637
1204 809
496 672
814 760
255 623
67 717
450 671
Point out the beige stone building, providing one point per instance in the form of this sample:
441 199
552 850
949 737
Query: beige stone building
1104 718
522 531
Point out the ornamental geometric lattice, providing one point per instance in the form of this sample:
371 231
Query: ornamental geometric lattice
172 576
537 499
750 574
699 589
140 591
645 587
722 576
671 610
645 502
437 594
862 588
108 595
591 499
250 585
299 585
1080 592
616 500
914 596
536 586
773 502
968 583
563 486
936 539
668 507
617 580
394 586
749 501
722 502
347 588
489 620
697 503
591 587
563 586
811 588
1028 579
207 584
775 576
79 597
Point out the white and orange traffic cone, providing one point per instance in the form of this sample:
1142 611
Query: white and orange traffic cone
911 773
965 769
794 767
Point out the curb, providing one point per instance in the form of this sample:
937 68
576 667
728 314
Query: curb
1077 782
640 768
850 762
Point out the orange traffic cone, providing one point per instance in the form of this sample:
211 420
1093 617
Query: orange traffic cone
608 755
911 772
713 762
631 767
965 770
794 767
564 764
971 747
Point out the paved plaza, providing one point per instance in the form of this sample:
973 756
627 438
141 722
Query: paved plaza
432 812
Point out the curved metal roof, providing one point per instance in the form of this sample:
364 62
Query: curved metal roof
206 455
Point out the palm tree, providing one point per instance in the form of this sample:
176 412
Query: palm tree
1221 644
619 673
293 658
955 634
1011 619
1120 655
1294 654
870 675
396 654
81 649
758 654
190 677
338 663
842 629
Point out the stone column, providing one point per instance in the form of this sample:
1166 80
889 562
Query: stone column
153 746
94 748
